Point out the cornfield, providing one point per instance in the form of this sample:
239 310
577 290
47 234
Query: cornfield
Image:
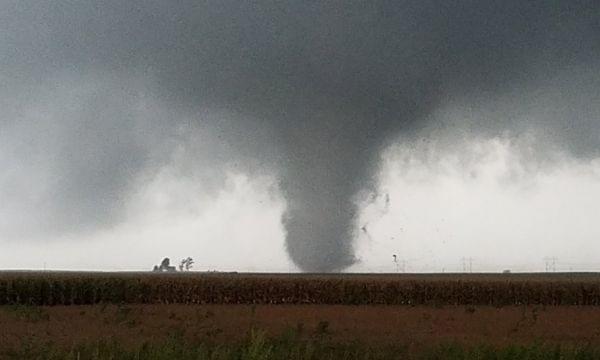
142 288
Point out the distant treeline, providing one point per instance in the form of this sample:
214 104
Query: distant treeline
94 288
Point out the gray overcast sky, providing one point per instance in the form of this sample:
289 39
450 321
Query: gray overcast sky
283 136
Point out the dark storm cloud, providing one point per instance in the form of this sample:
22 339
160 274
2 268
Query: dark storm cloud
314 91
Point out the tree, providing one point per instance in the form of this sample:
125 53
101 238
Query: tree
186 264
164 266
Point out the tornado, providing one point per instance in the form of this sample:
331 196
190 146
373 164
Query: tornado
310 92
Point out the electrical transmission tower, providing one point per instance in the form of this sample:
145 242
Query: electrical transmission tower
550 263
467 264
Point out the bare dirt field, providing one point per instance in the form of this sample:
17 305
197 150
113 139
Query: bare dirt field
133 324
